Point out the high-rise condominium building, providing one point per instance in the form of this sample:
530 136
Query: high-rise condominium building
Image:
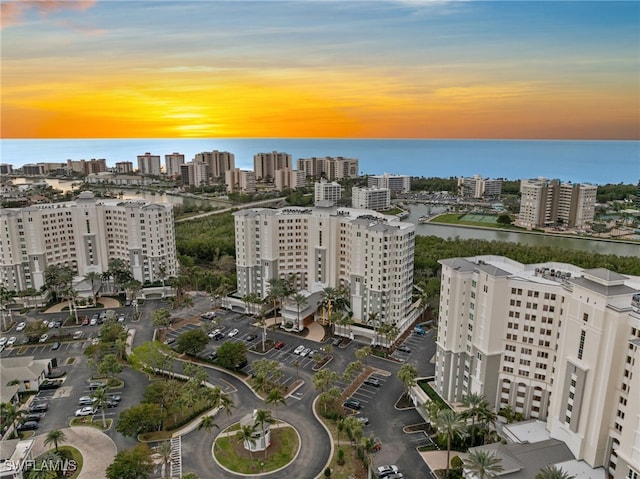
6 169
325 191
478 187
327 246
32 170
149 164
552 341
266 164
243 181
371 198
287 178
195 173
90 167
219 162
546 203
329 168
395 183
86 234
172 164
124 167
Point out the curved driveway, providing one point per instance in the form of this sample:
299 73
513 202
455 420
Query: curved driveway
97 449
315 445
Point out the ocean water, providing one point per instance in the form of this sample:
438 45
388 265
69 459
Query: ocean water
596 162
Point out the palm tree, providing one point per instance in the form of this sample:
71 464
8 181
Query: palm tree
162 274
300 300
92 277
476 404
369 444
5 297
246 437
133 287
164 449
55 436
263 416
407 374
208 424
553 472
11 413
483 463
275 397
221 400
101 399
449 424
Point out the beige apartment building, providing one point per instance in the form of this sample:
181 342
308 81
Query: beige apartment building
327 246
243 181
124 167
371 198
195 173
219 162
266 164
149 164
172 164
330 168
546 203
85 167
287 178
327 191
394 183
86 234
554 342
478 187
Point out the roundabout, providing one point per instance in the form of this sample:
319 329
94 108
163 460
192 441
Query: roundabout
233 453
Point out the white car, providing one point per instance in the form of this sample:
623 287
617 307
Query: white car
3 341
44 338
21 326
45 323
387 470
93 321
11 341
86 411
298 350
214 332
233 333
304 352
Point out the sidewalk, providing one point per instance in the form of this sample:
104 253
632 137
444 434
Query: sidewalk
105 301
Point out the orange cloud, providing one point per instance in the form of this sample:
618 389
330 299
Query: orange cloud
11 12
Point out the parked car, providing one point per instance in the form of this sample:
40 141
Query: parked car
44 338
55 346
336 341
36 416
386 470
299 349
214 332
250 337
77 334
218 336
21 326
3 341
372 382
312 353
28 426
279 345
419 331
233 332
39 407
86 401
11 341
97 385
363 419
45 323
304 352
86 411
47 384
170 340
121 318
404 349
352 404
114 397
212 356
93 321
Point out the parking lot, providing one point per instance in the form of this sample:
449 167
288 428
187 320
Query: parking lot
410 345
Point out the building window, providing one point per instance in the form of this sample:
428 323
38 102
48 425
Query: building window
583 335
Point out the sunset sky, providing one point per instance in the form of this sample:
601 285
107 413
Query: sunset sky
320 69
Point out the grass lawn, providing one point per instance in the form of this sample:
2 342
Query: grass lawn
77 457
232 454
352 466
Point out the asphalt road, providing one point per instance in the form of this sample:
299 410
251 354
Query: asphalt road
386 422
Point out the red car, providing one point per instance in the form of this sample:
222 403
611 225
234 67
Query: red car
85 321
279 345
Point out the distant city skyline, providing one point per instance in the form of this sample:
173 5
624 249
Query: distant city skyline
320 69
